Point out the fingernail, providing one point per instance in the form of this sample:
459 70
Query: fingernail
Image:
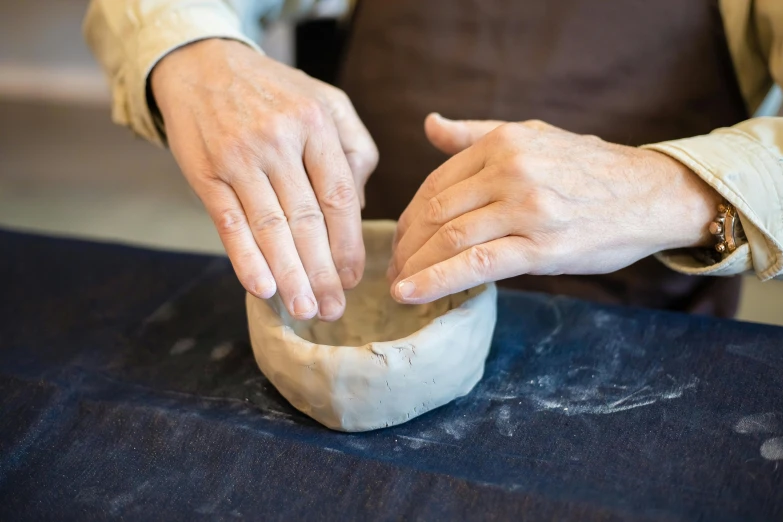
330 308
347 277
303 305
266 287
405 289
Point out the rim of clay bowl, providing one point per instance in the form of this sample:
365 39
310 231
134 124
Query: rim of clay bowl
284 331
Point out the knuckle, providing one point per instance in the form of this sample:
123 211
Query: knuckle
435 211
230 221
269 222
337 102
244 261
592 139
429 187
323 277
274 129
373 156
438 276
455 235
288 278
365 162
537 124
545 207
506 132
338 96
350 256
311 113
306 217
481 261
340 197
520 165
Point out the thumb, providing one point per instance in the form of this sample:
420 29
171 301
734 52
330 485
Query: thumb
453 136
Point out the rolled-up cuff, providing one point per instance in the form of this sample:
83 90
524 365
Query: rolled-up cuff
158 37
685 262
748 174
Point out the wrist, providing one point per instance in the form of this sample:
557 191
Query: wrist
689 206
186 61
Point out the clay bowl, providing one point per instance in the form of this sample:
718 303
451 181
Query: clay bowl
383 363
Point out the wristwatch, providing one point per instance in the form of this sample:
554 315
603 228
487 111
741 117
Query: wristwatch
728 232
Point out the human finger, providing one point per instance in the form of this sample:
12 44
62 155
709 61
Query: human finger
465 196
229 217
334 188
453 136
498 259
360 150
457 168
479 226
270 226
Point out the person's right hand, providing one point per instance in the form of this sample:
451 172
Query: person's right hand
279 160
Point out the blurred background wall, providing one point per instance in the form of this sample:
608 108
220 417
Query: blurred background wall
65 169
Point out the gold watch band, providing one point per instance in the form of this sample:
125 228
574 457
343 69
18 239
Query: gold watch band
727 229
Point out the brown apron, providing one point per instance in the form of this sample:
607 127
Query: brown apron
629 71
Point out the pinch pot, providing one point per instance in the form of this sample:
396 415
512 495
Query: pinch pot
383 363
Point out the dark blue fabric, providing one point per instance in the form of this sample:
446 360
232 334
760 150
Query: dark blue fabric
128 390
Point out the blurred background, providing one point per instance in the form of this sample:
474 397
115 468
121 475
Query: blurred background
65 169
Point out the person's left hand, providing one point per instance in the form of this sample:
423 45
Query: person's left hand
530 198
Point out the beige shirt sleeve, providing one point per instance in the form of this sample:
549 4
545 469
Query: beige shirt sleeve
744 163
128 37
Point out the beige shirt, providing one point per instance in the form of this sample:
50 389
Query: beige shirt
744 162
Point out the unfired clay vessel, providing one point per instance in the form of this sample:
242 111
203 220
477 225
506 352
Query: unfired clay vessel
383 363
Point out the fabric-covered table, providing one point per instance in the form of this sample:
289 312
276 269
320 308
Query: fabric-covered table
128 389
